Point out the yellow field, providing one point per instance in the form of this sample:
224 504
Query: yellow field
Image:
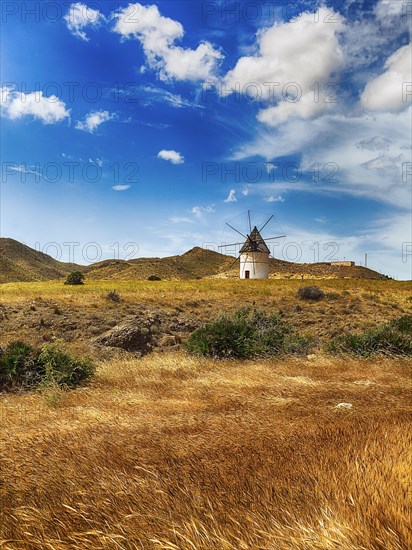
174 452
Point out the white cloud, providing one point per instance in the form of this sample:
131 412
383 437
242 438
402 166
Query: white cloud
93 120
384 162
180 219
172 156
199 211
270 167
159 95
158 35
292 57
120 187
81 16
335 139
279 198
16 105
390 8
375 143
388 92
231 196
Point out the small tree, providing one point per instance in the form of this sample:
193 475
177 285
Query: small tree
75 278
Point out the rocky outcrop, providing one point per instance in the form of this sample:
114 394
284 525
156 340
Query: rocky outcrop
137 334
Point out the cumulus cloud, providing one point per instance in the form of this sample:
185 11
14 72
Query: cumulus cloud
392 90
158 35
120 187
385 9
335 139
292 57
93 120
170 155
374 31
48 109
231 196
81 16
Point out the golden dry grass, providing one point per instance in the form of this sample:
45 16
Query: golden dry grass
215 290
171 452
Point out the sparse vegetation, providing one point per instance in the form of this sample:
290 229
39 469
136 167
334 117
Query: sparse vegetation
154 278
313 293
179 451
23 367
393 338
246 333
113 296
75 278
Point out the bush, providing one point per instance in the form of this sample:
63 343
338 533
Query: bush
18 367
245 334
113 296
23 367
75 278
63 369
154 278
310 293
393 338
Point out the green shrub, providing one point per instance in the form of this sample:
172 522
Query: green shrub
245 334
75 278
63 369
393 338
23 367
310 293
18 366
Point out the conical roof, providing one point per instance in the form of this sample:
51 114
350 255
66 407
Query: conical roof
255 243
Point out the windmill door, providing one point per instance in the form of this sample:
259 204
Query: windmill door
247 274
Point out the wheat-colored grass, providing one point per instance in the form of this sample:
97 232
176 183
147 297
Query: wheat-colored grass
174 292
172 452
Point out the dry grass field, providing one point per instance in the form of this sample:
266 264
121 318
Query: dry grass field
170 452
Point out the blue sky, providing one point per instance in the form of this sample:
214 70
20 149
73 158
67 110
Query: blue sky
144 127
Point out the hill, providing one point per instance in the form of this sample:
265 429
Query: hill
194 264
19 262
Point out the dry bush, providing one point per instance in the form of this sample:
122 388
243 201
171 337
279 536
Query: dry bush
174 452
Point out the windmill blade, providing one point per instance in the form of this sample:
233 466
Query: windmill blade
271 238
226 245
263 226
233 263
231 227
250 225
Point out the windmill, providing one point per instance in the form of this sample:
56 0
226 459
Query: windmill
254 254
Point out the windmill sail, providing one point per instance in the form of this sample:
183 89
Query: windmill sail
255 243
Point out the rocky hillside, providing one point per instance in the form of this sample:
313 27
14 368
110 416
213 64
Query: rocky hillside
194 264
19 262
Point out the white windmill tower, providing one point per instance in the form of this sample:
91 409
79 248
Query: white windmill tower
255 254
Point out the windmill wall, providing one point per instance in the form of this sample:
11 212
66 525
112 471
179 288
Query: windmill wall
256 263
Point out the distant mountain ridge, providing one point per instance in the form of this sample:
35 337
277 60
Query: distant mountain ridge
19 263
